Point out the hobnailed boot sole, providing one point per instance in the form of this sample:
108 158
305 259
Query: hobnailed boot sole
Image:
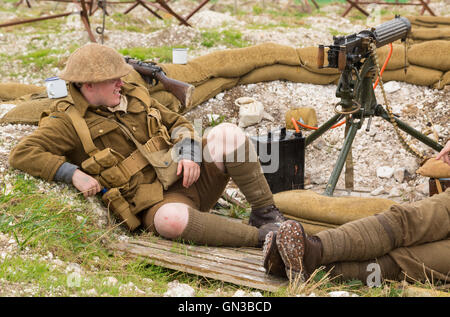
291 239
272 261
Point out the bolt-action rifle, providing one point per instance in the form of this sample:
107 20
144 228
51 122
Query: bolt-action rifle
153 74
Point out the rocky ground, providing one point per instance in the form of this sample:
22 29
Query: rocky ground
382 167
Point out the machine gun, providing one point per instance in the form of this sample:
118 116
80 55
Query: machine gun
153 74
355 56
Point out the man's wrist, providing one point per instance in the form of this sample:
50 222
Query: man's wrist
65 173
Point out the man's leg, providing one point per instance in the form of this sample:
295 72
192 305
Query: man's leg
233 153
175 220
401 226
368 238
184 213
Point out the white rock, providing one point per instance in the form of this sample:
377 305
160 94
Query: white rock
256 294
176 289
91 292
339 294
395 192
378 191
110 281
399 174
423 189
240 293
213 117
385 172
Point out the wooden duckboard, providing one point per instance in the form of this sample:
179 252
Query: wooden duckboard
241 266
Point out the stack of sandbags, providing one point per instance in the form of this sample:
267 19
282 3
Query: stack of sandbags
429 64
318 212
426 64
428 28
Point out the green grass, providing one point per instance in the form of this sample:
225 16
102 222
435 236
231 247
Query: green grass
161 54
41 58
229 38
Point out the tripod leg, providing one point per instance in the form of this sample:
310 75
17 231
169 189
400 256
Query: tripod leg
341 160
411 131
322 129
349 170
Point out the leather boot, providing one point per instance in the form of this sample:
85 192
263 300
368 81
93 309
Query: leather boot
272 261
264 230
301 254
264 215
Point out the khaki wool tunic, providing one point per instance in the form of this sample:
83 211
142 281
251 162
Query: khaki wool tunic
55 141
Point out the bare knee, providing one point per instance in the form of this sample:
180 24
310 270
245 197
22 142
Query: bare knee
171 220
223 140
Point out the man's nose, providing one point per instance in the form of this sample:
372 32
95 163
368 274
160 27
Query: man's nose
119 82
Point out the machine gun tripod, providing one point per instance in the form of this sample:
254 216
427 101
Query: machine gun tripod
355 56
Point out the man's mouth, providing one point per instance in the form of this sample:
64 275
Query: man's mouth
117 92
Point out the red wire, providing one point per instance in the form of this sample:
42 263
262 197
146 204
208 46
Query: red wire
343 121
384 65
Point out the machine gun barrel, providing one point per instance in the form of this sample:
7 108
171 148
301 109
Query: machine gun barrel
391 31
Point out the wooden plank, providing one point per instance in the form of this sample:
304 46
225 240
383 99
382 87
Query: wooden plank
240 266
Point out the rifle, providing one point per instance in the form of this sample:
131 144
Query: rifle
153 74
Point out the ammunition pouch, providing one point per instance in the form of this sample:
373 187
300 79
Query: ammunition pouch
99 161
120 208
161 157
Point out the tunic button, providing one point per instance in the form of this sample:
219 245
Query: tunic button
134 128
100 131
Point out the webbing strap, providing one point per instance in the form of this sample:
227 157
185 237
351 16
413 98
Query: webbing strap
134 163
82 130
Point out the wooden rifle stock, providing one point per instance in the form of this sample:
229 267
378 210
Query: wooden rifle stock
153 74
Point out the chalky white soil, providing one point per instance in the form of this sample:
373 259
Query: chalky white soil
379 149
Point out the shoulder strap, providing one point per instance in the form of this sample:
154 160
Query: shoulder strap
82 130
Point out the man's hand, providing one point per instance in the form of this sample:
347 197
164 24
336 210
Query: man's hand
445 154
85 183
191 172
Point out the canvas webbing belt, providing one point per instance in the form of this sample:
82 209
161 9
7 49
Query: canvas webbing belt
133 163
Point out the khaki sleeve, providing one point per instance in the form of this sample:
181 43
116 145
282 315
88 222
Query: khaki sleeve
41 153
179 127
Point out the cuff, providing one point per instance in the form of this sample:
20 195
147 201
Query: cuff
65 173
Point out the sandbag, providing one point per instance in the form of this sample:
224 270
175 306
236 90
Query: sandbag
445 80
232 63
431 54
307 204
312 227
284 72
26 112
306 114
211 88
397 59
418 75
434 168
394 75
12 91
429 21
427 34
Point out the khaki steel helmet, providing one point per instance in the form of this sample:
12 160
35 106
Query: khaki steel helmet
93 63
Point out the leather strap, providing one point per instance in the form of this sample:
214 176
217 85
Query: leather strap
82 130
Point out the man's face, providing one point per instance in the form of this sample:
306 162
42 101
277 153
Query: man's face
106 93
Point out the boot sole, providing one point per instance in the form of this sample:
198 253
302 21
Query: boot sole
273 263
291 246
